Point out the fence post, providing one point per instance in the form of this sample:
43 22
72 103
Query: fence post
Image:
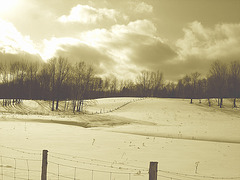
153 170
44 165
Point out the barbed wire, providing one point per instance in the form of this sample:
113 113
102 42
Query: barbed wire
181 176
95 170
92 159
100 165
102 110
59 175
21 151
108 164
198 176
172 178
24 159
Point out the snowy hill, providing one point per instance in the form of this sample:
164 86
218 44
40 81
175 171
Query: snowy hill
124 135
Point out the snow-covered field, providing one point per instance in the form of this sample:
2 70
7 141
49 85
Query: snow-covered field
118 137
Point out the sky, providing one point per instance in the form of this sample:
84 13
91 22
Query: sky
123 38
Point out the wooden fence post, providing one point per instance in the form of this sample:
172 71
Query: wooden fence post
153 170
44 165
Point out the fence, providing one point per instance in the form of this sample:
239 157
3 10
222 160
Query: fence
32 165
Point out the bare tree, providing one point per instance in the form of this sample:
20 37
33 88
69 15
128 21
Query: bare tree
87 81
45 81
144 81
201 91
187 86
5 71
218 79
156 82
51 71
78 82
32 68
234 80
62 73
106 85
194 82
113 84
83 80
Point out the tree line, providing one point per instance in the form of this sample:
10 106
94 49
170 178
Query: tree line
57 80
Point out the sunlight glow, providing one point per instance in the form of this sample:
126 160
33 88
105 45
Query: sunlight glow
7 5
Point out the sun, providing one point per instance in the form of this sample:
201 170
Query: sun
6 6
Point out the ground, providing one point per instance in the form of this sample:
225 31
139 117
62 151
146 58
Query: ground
116 138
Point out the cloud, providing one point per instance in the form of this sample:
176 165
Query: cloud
86 14
153 55
54 44
200 46
8 57
141 7
133 47
220 42
13 42
122 50
76 50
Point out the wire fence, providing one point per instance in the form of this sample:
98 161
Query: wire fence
21 166
109 110
27 165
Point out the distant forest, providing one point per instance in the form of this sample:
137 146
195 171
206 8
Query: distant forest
58 80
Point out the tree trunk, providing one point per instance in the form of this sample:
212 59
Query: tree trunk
65 105
78 106
74 105
57 104
209 102
81 105
221 102
234 102
52 105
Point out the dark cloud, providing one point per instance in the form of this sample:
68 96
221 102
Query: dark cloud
201 46
83 52
176 70
21 56
152 56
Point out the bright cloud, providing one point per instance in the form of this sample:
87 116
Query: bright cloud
55 44
134 46
200 46
141 7
144 27
116 50
7 6
12 41
77 50
118 34
86 14
220 42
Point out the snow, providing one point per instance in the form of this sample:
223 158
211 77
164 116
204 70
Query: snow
31 104
172 132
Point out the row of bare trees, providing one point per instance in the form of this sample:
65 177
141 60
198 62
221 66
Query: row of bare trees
59 80
55 80
222 81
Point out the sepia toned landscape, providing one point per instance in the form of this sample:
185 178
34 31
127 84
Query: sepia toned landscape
109 90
